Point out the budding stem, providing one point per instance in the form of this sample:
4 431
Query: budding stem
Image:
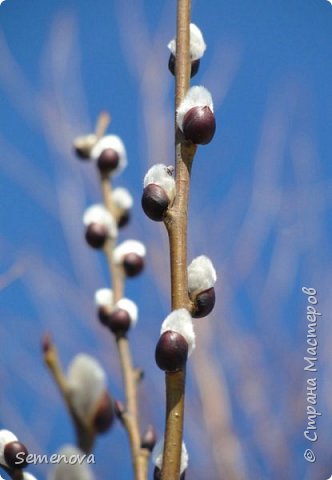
176 224
130 418
84 432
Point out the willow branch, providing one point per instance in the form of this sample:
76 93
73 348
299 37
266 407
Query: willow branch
129 374
103 122
85 435
115 271
176 224
106 190
129 380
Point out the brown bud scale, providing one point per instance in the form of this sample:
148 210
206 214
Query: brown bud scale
149 438
46 343
199 125
104 416
118 321
108 160
133 264
124 219
11 452
103 315
155 202
171 351
96 235
204 303
194 65
157 474
83 146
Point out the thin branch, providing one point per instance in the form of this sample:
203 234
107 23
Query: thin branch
129 374
176 224
103 122
106 190
115 271
84 431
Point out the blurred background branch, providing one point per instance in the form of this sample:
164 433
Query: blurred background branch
263 187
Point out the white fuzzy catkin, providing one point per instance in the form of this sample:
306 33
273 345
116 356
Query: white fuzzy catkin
115 143
122 198
180 321
28 476
128 246
157 456
197 43
87 383
66 469
6 436
97 213
201 275
104 297
130 307
161 175
197 96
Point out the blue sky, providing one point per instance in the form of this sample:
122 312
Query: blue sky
260 206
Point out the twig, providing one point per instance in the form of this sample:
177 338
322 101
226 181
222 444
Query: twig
84 432
103 122
176 224
106 190
115 272
129 374
130 418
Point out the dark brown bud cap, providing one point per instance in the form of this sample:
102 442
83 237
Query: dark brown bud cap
118 321
155 202
15 454
104 314
46 343
83 146
82 153
133 264
96 235
104 416
157 474
199 125
204 303
149 438
194 65
124 219
108 160
171 351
